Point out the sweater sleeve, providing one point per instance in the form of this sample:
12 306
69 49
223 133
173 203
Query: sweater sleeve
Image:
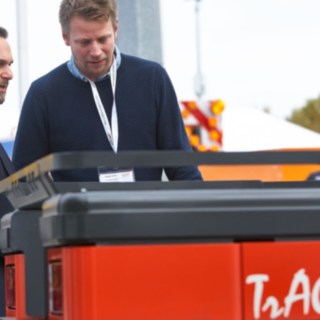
171 131
31 139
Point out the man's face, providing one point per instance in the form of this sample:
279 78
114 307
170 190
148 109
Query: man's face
92 44
5 67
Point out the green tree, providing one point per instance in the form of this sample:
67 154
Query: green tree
307 116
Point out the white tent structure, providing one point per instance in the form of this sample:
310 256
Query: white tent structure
248 129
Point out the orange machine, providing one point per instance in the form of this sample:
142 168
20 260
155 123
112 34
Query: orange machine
180 250
183 254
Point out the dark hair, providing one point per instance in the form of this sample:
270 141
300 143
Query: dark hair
87 9
3 33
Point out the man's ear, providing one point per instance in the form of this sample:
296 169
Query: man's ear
65 38
116 28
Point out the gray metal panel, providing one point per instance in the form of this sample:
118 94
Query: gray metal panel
181 215
140 29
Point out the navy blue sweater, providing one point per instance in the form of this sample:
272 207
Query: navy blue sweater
59 114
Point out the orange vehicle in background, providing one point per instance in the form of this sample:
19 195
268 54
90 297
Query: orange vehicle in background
278 172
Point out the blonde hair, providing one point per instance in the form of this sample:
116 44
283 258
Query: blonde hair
87 9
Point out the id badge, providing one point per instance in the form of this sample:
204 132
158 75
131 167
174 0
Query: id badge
115 175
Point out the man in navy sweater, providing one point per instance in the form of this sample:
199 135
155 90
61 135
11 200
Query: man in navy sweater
6 167
101 99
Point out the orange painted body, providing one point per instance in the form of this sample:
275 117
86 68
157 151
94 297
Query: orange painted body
243 281
284 277
15 286
172 282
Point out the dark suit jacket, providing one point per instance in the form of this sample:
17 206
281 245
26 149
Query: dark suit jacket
6 168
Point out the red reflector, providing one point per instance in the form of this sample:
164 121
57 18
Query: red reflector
55 287
10 286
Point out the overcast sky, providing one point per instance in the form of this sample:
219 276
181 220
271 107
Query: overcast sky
254 53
